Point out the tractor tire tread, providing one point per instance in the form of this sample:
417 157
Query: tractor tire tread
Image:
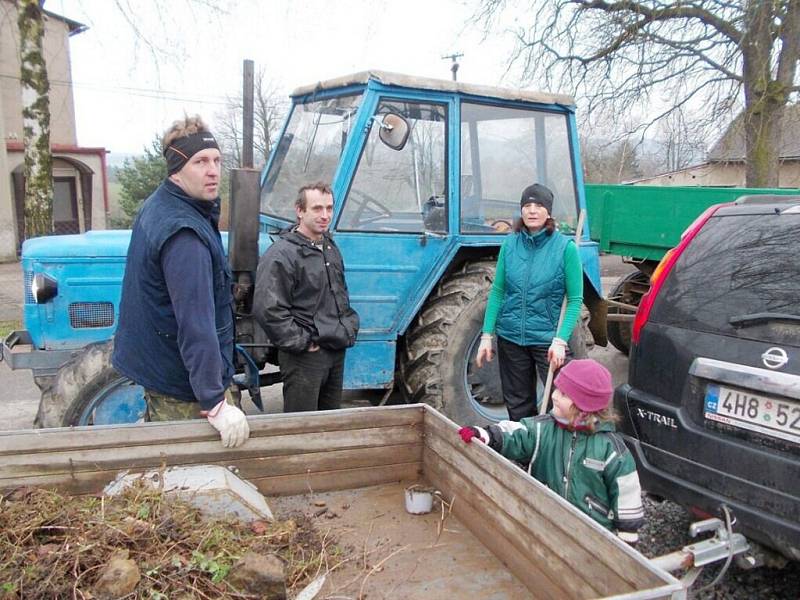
76 382
427 338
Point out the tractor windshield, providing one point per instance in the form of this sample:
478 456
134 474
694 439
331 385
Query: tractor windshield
309 151
504 150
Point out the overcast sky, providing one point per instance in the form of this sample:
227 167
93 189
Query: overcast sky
123 96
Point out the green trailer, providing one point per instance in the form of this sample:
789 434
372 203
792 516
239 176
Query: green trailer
641 223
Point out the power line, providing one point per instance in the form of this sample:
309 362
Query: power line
139 92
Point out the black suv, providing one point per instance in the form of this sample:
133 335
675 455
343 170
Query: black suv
711 409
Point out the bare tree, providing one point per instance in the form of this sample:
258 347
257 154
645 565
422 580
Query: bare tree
610 162
680 141
620 54
36 119
154 22
269 107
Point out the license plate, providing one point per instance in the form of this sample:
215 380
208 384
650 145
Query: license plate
746 410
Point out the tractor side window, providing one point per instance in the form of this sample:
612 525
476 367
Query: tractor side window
401 189
504 150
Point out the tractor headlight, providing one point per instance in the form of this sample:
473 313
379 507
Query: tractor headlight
43 288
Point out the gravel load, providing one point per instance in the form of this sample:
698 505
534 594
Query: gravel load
667 530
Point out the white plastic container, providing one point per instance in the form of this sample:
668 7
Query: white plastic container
419 501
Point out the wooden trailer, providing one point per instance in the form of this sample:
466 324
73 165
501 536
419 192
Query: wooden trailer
507 536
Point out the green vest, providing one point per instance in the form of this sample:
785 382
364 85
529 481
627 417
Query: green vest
534 287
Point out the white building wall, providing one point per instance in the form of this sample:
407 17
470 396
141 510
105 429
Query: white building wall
57 59
721 175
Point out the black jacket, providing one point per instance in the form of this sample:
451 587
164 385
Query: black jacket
301 295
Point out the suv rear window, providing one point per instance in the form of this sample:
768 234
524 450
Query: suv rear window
736 266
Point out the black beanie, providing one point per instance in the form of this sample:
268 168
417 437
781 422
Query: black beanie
182 149
539 194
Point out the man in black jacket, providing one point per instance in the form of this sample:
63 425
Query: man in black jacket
301 301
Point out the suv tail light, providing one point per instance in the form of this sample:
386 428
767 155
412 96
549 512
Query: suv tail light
665 266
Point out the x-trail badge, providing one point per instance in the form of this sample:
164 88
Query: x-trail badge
774 358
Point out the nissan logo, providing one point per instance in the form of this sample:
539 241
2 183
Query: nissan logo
774 358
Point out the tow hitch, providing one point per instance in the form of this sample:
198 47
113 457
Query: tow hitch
724 545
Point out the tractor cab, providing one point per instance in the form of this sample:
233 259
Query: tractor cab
427 176
410 155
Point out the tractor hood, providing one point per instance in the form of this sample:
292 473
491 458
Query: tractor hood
90 244
97 244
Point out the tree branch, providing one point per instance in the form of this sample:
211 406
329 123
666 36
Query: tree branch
675 11
692 49
790 47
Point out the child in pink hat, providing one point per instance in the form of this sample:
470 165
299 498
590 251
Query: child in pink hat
574 450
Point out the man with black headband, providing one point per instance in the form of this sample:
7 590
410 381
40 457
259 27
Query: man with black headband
175 331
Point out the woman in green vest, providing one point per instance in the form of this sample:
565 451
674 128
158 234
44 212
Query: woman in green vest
537 266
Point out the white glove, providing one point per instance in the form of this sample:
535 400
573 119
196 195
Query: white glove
557 352
231 424
485 351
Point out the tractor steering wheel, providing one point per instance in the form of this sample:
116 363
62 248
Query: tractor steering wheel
362 201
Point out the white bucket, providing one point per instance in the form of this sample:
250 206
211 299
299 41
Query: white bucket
419 501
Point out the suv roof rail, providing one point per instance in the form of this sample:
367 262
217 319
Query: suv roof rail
765 199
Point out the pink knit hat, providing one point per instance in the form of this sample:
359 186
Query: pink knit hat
587 383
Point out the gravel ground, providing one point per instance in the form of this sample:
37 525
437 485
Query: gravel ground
667 530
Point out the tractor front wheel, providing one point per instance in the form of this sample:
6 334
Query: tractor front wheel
88 391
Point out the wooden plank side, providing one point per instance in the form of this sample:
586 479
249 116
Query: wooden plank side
542 573
339 480
332 460
122 457
559 552
609 554
178 432
94 482
260 467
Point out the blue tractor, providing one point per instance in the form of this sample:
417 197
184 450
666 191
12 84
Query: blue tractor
426 176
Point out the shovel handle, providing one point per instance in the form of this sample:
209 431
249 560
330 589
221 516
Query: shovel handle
549 381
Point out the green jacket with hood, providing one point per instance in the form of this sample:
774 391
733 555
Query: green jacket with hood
593 471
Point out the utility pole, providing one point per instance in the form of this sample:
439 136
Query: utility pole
455 65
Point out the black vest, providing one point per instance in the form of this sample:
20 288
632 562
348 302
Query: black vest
146 341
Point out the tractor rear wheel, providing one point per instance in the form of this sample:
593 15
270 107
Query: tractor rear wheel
437 357
437 360
88 391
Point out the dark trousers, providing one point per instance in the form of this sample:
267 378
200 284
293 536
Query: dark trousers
519 366
312 380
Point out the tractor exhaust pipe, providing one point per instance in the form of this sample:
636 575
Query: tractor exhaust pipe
243 255
248 76
244 208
